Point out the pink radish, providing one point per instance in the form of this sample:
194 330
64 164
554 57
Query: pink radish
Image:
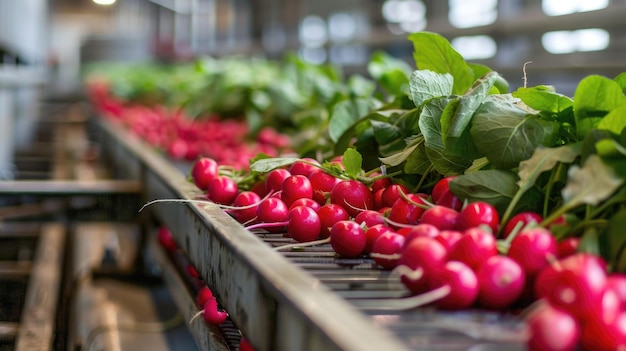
532 249
222 190
551 329
617 282
387 249
369 218
524 218
304 167
421 259
246 200
567 247
304 224
444 218
501 281
449 238
296 187
322 183
407 210
372 233
347 239
353 195
166 239
329 215
203 170
420 230
463 285
393 193
475 247
476 214
210 313
275 178
442 186
204 295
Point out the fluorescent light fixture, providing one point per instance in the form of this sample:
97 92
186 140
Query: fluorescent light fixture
104 2
566 42
475 47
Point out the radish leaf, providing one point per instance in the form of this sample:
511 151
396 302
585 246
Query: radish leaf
591 184
434 52
543 98
494 186
544 159
425 85
614 121
594 97
267 164
352 162
391 73
344 114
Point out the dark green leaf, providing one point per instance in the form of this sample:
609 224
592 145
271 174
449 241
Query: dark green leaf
409 122
344 114
506 133
494 186
543 98
595 96
426 84
418 162
399 157
388 136
615 235
359 86
589 242
434 52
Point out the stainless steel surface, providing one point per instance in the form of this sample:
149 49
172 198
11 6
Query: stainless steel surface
69 187
277 305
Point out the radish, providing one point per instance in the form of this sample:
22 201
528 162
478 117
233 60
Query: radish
353 195
306 202
378 199
475 247
576 284
204 294
304 167
272 213
244 345
617 282
372 233
210 313
551 329
441 217
448 238
532 248
501 282
420 260
567 247
166 239
322 183
222 190
202 171
442 186
598 336
347 238
522 217
304 224
369 218
463 285
420 230
246 200
387 249
448 199
476 214
275 178
379 184
296 187
192 271
407 210
329 215
393 193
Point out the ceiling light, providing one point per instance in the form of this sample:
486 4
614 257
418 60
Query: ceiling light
104 2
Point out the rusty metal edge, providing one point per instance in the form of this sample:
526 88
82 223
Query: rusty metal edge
270 294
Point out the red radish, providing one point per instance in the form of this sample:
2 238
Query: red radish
372 233
166 239
576 284
304 168
192 271
551 329
273 213
501 282
304 224
322 183
306 202
275 178
245 199
202 171
244 345
420 230
599 336
381 183
393 193
420 260
407 211
448 199
259 188
204 294
567 247
369 218
441 217
524 218
476 214
378 199
448 238
442 186
617 282
329 215
353 195
463 285
347 239
387 249
475 247
211 314
296 187
532 249
222 190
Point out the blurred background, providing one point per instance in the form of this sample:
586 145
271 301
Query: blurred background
564 39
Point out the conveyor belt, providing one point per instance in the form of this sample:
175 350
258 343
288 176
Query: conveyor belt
298 300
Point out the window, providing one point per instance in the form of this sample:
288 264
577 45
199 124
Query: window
565 42
472 13
405 16
566 7
475 47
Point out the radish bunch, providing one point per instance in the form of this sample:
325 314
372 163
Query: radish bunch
434 241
